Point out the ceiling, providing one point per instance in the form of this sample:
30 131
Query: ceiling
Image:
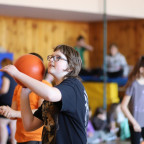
51 14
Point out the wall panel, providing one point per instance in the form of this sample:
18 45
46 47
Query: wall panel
23 35
128 35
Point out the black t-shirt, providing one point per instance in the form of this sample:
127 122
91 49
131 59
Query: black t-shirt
6 99
73 115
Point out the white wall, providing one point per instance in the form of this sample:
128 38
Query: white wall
70 5
132 8
128 8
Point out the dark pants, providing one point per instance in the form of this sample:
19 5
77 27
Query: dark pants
136 136
84 72
31 142
115 74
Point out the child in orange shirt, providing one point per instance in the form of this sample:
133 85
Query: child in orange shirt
21 135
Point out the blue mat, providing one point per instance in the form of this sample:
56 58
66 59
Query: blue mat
2 56
121 81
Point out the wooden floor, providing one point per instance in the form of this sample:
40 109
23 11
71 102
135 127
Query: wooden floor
117 142
111 142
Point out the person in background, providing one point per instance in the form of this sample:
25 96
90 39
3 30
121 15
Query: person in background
99 119
92 135
81 47
101 125
132 103
22 136
116 63
118 122
6 93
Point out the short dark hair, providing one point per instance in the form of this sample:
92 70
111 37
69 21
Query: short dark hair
135 73
6 61
73 58
36 54
99 110
113 44
80 37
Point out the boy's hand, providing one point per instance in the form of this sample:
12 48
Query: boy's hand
7 112
11 70
25 92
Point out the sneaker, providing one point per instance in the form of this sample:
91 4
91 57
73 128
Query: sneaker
114 130
96 141
114 137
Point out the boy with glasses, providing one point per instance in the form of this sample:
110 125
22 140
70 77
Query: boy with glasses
69 97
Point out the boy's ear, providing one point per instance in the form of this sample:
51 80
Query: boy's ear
69 69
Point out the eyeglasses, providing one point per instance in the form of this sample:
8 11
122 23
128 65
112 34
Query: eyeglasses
55 58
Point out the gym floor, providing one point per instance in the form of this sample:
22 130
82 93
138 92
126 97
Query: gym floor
117 142
111 142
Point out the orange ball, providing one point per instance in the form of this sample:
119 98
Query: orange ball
30 65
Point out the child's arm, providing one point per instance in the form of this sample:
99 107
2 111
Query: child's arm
124 106
5 85
12 112
46 92
30 122
9 112
86 46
